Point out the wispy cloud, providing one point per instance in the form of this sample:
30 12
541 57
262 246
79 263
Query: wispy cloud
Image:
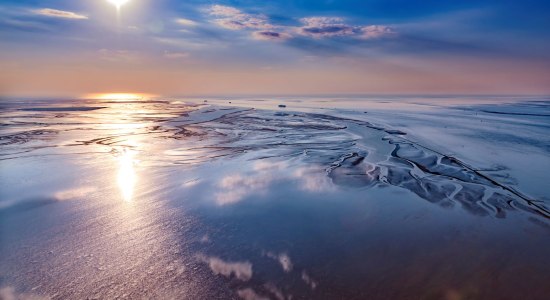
185 22
125 56
32 25
376 31
323 27
233 18
319 27
226 11
314 27
55 13
175 55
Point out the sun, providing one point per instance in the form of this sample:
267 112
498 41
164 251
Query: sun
118 3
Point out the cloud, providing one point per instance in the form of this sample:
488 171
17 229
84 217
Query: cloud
11 23
222 10
175 55
326 27
314 27
249 23
241 270
185 22
270 36
49 12
321 27
321 21
375 31
119 55
234 19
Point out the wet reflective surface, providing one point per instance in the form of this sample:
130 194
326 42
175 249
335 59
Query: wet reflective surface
325 199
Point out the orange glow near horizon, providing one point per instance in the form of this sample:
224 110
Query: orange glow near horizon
119 96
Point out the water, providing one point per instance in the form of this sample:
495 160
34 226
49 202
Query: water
379 198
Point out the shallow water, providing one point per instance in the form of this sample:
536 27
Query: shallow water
380 198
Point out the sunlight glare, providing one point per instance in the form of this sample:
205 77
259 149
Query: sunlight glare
126 175
118 96
118 3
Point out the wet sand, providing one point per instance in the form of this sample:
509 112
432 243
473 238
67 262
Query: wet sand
379 198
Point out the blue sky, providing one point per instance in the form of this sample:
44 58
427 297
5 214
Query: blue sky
274 47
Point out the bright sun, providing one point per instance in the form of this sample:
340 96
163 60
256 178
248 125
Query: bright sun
118 3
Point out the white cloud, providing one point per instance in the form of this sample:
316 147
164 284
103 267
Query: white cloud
234 19
375 31
325 27
185 22
243 23
119 55
49 12
314 27
222 10
321 21
320 27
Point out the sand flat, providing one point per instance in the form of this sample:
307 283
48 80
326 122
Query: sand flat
375 198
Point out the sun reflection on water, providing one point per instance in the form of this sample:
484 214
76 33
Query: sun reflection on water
127 177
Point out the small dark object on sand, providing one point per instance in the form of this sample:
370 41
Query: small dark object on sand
205 100
282 105
229 102
396 132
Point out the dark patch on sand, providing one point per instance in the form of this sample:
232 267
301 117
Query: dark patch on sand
81 108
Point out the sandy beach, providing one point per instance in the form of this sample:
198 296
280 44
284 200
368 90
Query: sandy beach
241 198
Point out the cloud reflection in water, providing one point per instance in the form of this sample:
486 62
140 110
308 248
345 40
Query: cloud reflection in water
237 186
241 270
79 192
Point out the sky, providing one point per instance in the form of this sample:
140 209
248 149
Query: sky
301 47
